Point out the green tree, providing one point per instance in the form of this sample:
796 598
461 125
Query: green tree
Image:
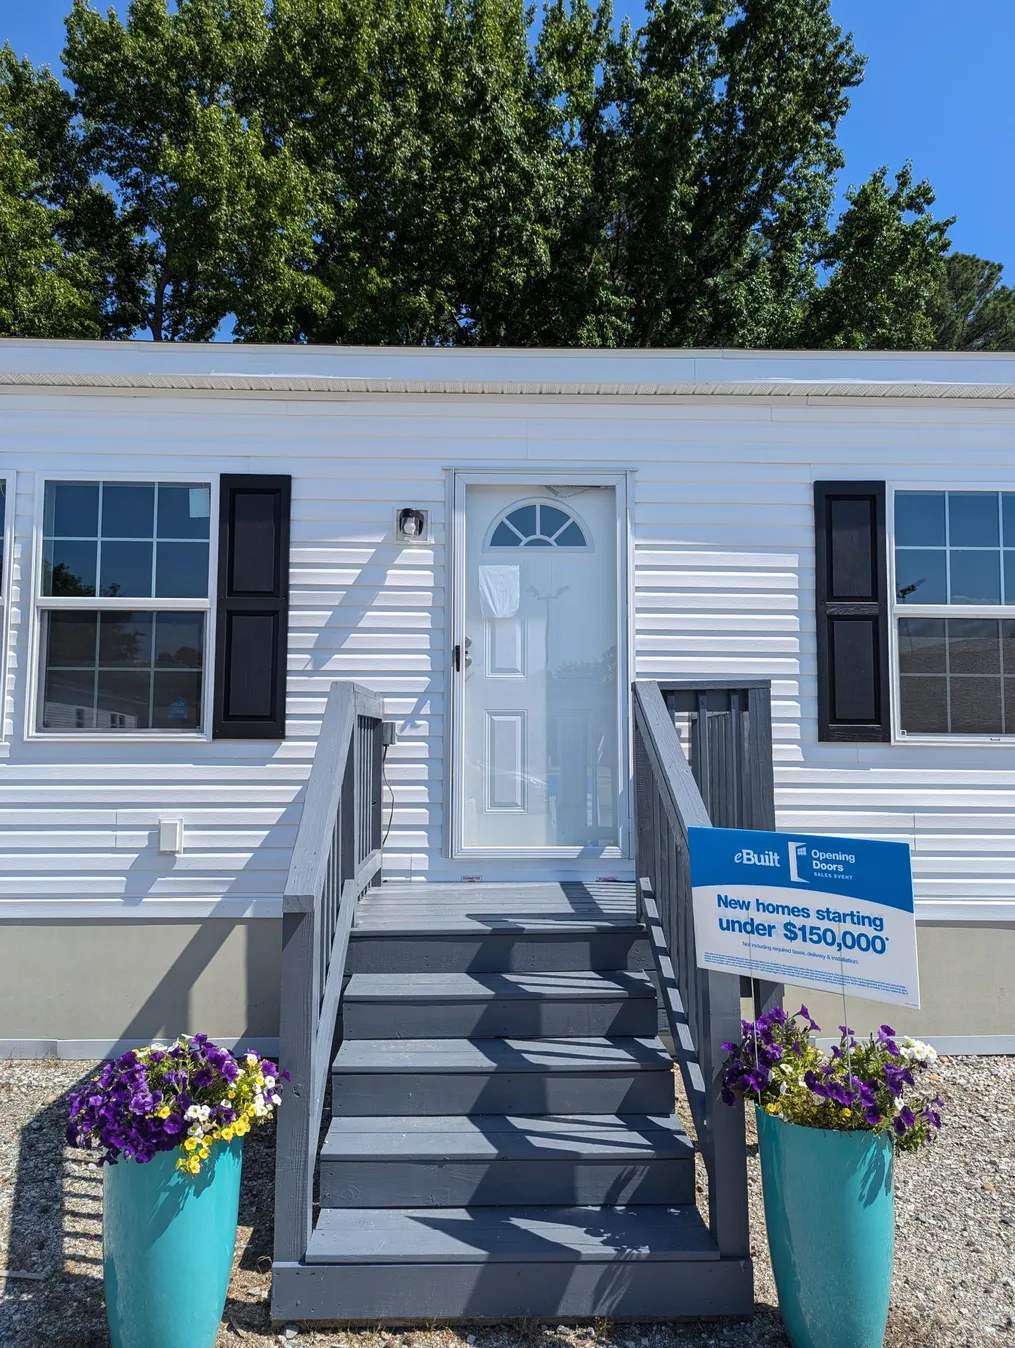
46 289
971 310
884 259
729 122
461 172
417 121
220 220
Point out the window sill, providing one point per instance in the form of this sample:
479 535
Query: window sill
125 737
957 741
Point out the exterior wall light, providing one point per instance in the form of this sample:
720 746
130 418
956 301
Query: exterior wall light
412 525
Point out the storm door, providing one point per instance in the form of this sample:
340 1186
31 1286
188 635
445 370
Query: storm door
537 668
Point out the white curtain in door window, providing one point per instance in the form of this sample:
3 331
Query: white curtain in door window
500 590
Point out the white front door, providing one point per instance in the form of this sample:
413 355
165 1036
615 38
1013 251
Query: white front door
538 668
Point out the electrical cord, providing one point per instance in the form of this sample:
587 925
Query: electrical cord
391 794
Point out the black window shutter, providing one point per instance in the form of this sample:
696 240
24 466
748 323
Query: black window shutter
253 607
851 600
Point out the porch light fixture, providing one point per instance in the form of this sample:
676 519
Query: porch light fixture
412 525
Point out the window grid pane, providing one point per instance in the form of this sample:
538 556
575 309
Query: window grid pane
955 548
121 669
957 676
115 538
116 670
538 525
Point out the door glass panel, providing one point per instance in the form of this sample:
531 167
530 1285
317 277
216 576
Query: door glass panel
540 679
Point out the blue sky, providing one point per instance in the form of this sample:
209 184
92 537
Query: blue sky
938 90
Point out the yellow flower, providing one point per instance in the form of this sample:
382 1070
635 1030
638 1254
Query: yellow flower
251 1112
848 1112
771 1109
164 1112
194 1166
203 1153
227 1133
241 1127
190 1143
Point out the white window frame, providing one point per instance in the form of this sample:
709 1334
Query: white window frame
41 603
9 477
897 610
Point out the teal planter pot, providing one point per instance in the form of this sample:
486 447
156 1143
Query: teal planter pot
830 1211
167 1248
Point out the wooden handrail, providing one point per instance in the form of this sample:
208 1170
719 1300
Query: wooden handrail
336 857
731 767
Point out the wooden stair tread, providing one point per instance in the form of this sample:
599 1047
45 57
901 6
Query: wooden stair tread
487 1137
569 985
601 1056
485 1235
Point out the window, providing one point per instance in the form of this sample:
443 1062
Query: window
124 606
954 581
538 525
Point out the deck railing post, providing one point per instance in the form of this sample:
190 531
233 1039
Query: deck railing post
296 1139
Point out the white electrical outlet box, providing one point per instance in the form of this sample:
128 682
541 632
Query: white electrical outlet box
171 836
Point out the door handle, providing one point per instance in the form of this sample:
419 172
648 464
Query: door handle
462 655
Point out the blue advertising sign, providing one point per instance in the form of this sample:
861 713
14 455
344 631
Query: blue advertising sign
829 913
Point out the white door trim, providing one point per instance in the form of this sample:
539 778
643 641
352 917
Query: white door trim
538 475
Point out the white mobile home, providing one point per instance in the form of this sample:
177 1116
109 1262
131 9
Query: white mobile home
200 540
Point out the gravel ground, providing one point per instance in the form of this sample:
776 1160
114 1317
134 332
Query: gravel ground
954 1270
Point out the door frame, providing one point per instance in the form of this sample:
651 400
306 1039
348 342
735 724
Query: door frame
459 480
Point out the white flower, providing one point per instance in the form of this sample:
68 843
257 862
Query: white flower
915 1050
193 1112
269 1082
276 1099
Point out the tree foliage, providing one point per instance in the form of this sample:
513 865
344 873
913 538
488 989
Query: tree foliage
972 310
466 172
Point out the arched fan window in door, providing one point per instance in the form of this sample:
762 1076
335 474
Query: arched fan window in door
537 524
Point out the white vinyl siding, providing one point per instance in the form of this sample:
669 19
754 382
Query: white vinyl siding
723 586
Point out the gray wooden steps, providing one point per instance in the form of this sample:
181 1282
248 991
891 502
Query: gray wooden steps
502 1141
487 1159
491 1005
501 1076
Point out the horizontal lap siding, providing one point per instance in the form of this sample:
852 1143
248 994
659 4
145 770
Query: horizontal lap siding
80 820
724 577
723 585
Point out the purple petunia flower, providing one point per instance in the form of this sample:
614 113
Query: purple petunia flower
120 1111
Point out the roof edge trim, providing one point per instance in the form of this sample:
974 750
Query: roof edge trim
236 383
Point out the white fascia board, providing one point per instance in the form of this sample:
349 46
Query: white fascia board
449 387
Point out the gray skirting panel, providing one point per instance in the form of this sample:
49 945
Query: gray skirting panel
959 1045
92 1050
